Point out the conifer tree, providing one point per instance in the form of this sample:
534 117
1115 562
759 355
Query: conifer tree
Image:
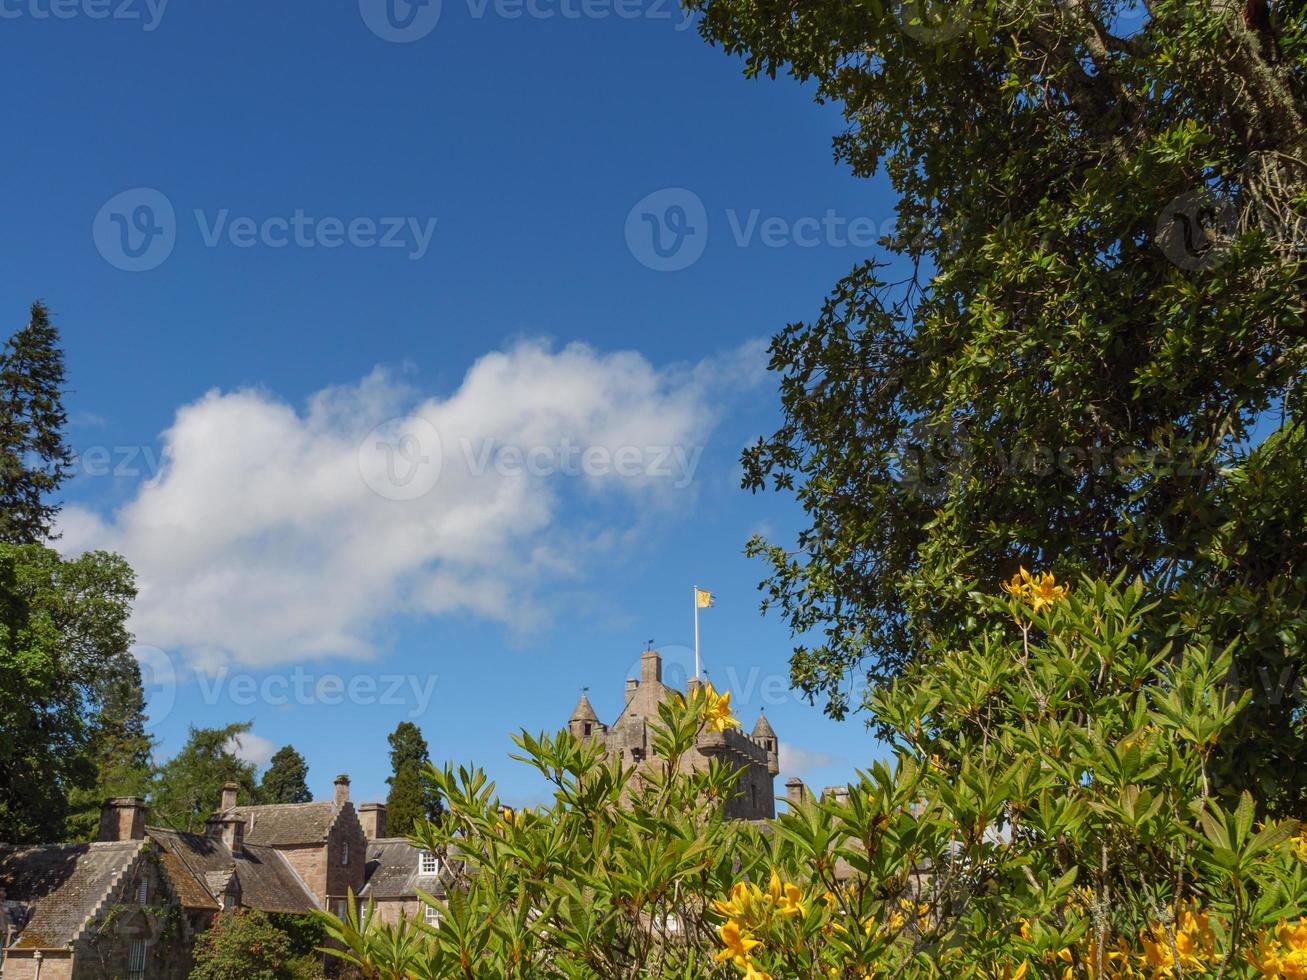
120 747
189 786
34 459
411 799
286 780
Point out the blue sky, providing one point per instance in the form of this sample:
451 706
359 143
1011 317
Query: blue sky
268 231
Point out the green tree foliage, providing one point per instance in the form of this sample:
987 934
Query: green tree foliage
246 944
34 460
63 663
188 787
120 748
1045 810
1092 317
286 780
411 799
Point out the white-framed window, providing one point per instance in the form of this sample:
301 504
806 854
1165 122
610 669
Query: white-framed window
344 852
143 892
136 960
342 908
428 863
432 915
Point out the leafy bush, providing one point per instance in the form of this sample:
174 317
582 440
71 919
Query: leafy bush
1046 810
244 944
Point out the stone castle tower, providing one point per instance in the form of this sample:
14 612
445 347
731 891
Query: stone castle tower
628 738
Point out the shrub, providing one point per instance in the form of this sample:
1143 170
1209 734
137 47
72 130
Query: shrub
1045 809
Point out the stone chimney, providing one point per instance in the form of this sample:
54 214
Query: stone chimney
795 791
651 667
122 818
632 685
373 818
231 829
691 686
342 790
229 791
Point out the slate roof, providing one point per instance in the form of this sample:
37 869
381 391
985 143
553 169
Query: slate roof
267 882
392 871
287 824
61 886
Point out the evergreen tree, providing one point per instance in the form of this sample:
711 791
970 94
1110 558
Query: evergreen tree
286 780
411 798
188 787
120 747
34 460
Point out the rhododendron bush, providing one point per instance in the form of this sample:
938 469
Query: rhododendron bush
1045 808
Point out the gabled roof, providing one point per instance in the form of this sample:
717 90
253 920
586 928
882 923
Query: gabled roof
62 886
287 824
198 865
392 871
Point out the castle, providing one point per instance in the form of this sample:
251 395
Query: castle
628 739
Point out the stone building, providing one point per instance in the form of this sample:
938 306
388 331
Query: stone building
397 871
130 904
629 739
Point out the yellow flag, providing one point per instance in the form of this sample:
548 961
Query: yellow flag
702 599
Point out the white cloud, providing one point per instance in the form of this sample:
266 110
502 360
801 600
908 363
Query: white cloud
796 761
272 534
249 747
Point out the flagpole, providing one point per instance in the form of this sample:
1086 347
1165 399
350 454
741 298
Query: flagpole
696 632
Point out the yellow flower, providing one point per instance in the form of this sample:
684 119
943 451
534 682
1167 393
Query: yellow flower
1283 954
1300 846
785 898
751 972
1195 942
738 905
737 944
1039 591
716 710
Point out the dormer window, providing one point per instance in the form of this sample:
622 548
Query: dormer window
428 863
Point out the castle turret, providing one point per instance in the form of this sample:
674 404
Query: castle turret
765 736
651 667
584 722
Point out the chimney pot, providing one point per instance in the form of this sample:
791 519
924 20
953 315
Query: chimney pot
232 831
373 818
123 818
229 791
795 791
342 790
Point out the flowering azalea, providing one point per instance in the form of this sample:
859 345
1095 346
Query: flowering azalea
1040 591
737 944
717 709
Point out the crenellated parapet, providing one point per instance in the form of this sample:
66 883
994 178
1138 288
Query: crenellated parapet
629 740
